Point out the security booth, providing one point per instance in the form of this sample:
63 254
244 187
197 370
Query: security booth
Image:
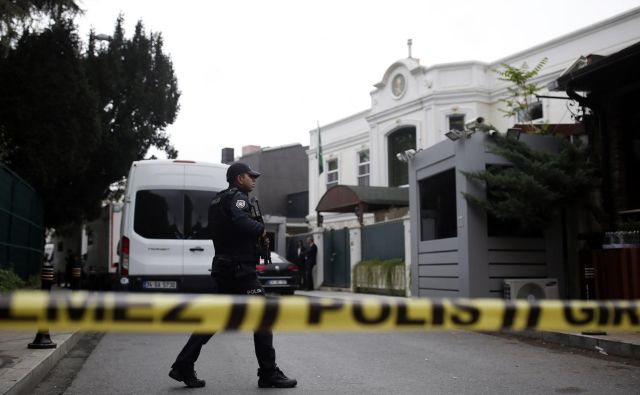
460 251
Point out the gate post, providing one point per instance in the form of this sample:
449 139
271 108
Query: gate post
355 250
318 239
406 221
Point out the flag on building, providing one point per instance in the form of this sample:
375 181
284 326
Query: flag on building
319 153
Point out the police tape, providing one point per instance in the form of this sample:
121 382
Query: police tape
107 312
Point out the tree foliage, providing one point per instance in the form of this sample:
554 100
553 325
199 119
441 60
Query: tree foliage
521 90
536 184
19 15
48 116
72 121
138 98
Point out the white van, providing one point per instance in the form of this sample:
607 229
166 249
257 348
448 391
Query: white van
165 244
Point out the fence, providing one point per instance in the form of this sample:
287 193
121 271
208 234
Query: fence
21 225
383 241
382 269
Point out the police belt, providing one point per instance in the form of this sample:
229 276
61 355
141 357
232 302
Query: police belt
156 312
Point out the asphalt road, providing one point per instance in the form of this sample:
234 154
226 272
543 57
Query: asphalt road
347 363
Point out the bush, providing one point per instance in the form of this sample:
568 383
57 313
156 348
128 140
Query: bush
380 277
10 281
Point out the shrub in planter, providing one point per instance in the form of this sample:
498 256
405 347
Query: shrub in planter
380 277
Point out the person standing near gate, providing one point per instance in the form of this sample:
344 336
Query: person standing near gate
310 262
235 234
300 255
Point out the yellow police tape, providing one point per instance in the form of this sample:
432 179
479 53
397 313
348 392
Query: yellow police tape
210 313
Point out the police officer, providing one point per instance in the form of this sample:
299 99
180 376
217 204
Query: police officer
235 234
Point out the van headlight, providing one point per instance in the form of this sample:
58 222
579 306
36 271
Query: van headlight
124 280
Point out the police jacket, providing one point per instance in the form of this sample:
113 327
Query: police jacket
233 228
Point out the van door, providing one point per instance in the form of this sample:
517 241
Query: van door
156 245
198 247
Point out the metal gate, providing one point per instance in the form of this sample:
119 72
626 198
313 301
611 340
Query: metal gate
337 265
383 241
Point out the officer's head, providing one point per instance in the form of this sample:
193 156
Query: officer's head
242 177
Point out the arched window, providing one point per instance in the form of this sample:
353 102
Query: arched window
400 141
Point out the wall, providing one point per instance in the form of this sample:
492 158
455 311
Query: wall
284 171
21 225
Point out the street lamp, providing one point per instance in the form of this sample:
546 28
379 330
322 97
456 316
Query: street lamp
102 37
454 135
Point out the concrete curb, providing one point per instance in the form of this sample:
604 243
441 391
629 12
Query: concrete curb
27 374
595 343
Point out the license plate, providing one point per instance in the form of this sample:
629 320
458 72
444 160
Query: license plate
160 284
277 282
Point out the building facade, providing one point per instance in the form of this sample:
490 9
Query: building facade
413 106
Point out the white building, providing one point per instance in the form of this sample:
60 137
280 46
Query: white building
414 105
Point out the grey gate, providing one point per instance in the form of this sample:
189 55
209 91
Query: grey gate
337 265
383 241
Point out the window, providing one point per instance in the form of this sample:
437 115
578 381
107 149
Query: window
363 168
196 214
159 214
532 113
172 214
400 141
438 206
332 173
456 122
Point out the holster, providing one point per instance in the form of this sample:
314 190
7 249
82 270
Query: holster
226 266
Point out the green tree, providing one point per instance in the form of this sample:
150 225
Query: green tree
19 15
535 186
48 117
521 91
138 98
72 121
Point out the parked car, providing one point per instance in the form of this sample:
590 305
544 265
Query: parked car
281 276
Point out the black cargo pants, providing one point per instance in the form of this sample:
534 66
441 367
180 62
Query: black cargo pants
237 282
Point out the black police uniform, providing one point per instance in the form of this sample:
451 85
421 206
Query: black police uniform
235 234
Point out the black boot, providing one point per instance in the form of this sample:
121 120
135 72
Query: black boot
188 377
274 379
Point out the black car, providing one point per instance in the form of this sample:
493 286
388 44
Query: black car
281 276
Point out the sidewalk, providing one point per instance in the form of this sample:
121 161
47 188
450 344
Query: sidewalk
22 368
625 345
